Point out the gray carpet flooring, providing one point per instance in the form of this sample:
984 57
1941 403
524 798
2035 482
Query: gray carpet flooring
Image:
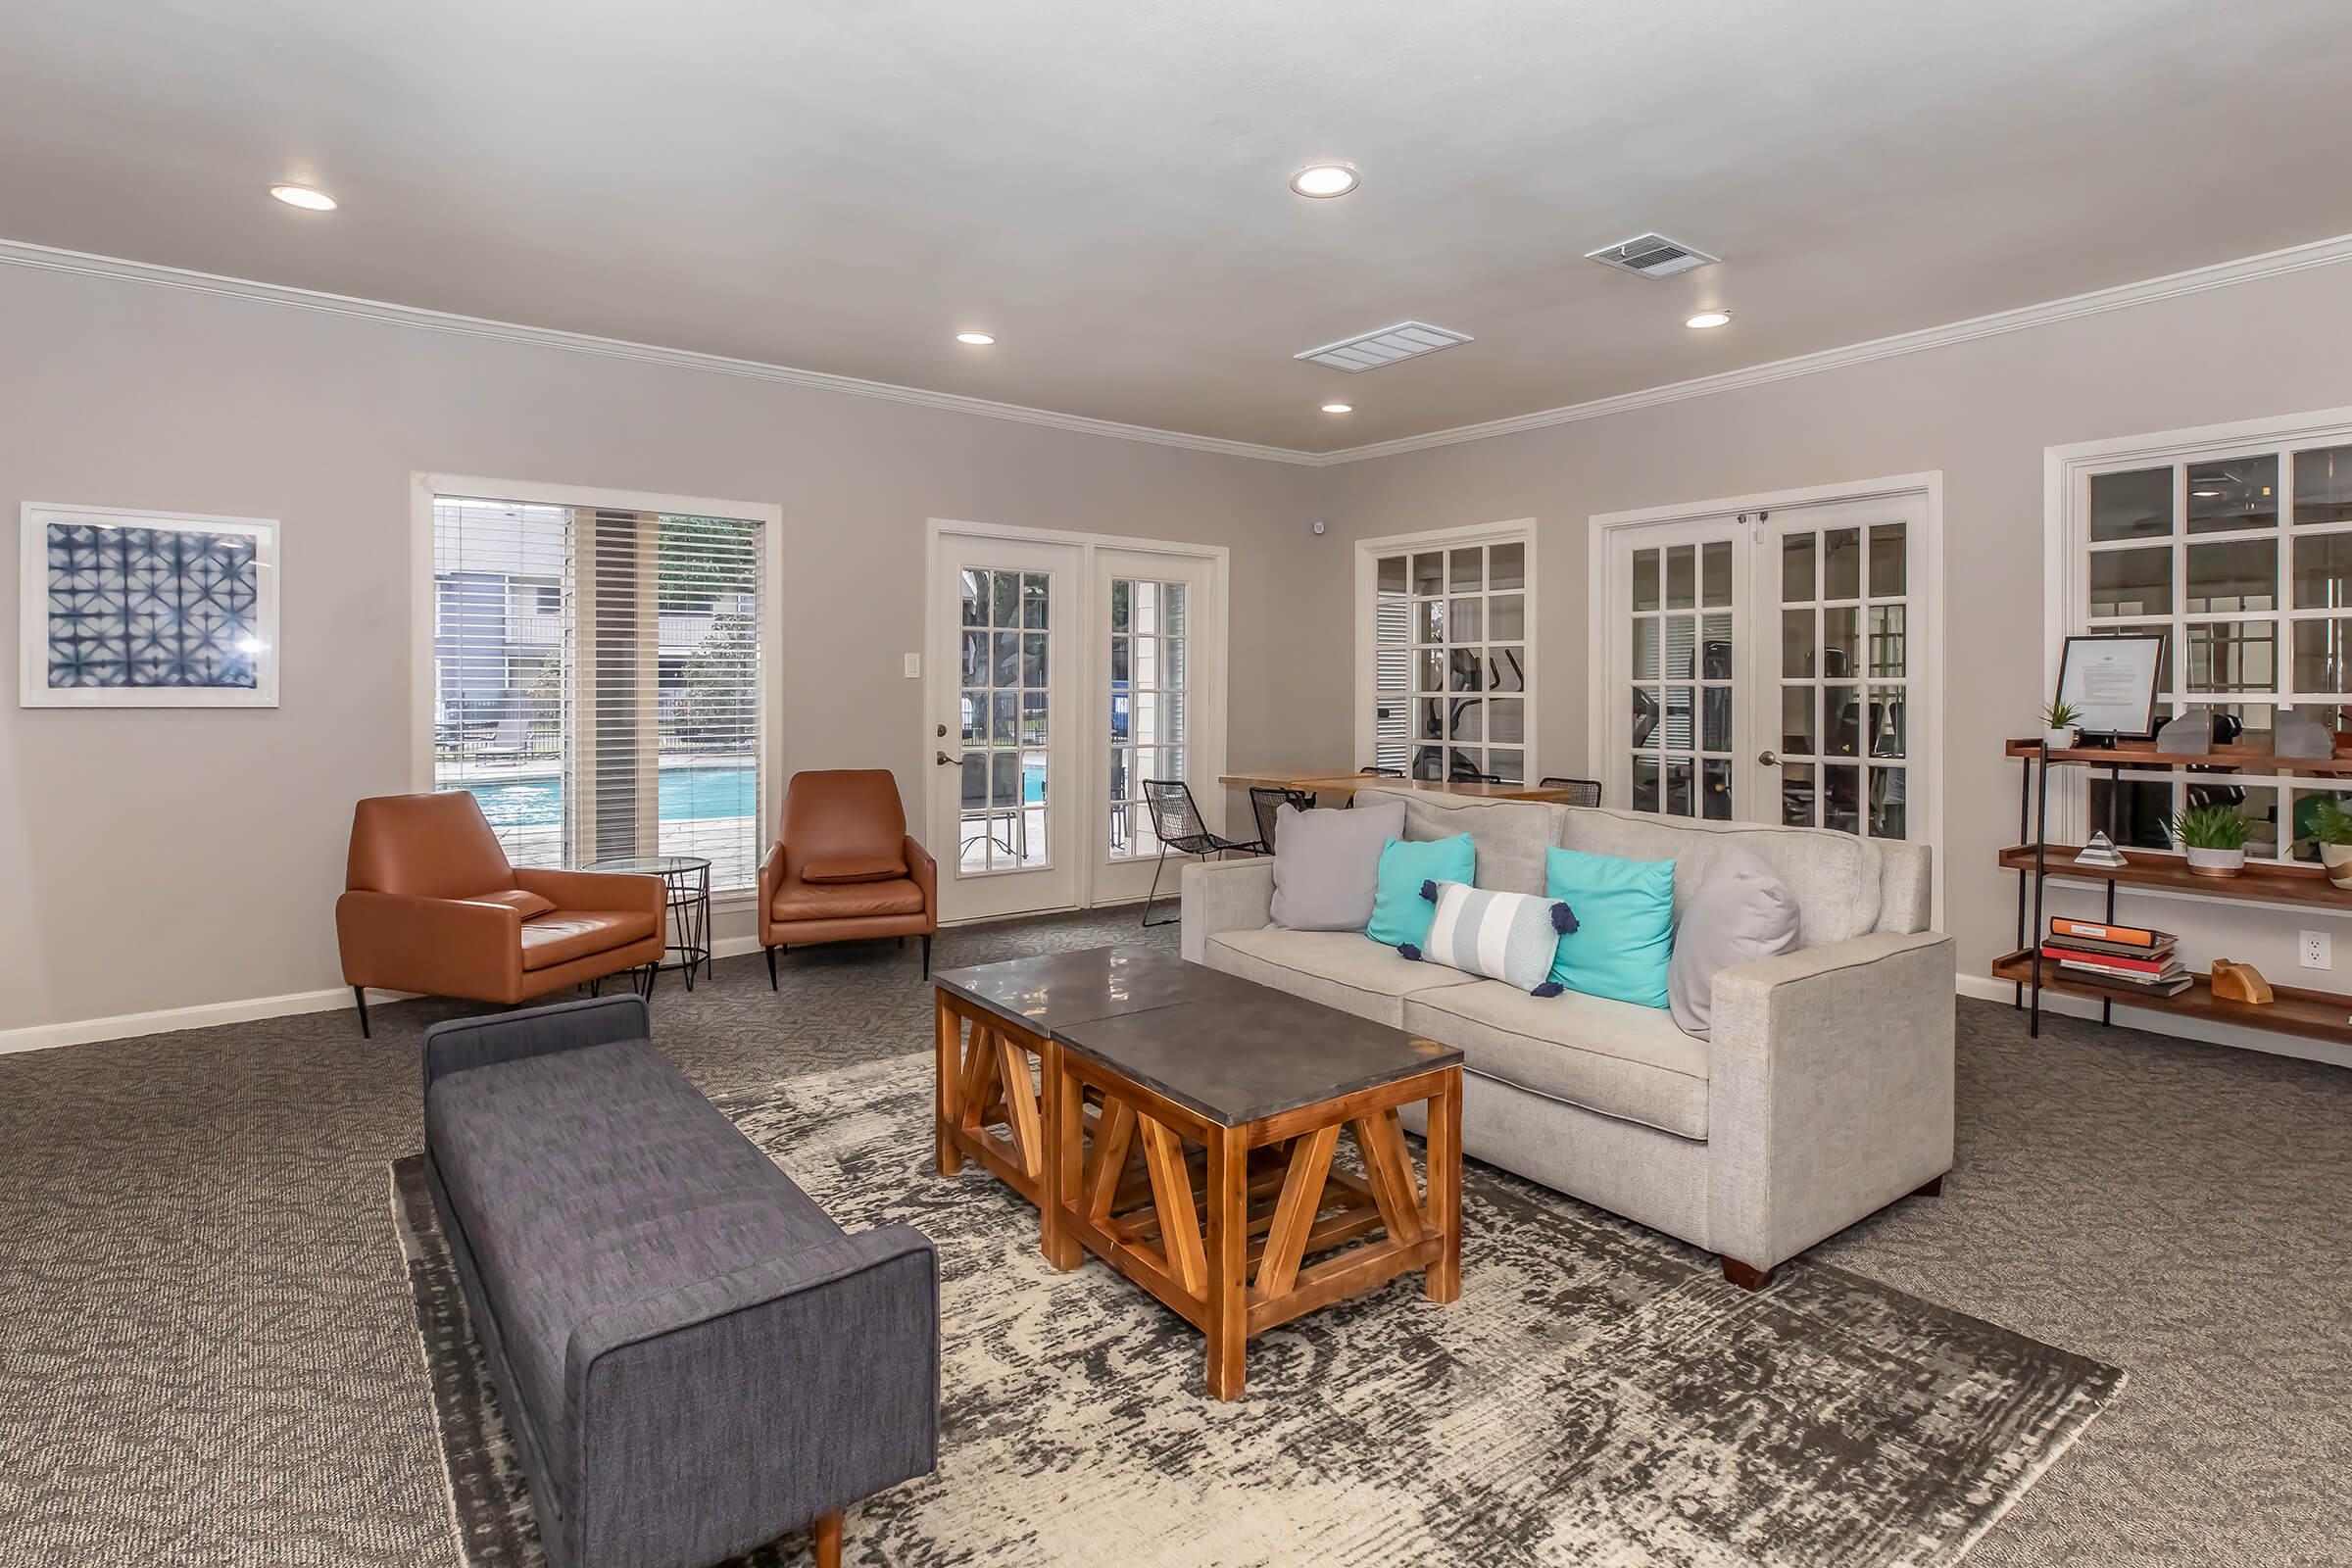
208 1356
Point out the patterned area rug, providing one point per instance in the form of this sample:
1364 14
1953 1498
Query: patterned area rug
1598 1395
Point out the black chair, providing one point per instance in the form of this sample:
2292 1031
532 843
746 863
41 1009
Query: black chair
1463 773
1264 804
1176 822
1581 791
1377 772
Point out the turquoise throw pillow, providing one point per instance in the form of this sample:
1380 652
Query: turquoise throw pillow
1624 934
1400 914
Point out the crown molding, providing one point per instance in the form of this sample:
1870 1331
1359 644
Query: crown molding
2196 280
2247 269
17 253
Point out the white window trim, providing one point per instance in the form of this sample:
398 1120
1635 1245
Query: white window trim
1926 642
2066 540
424 608
1517 530
1091 682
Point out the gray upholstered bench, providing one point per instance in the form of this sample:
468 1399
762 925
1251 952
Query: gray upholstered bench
693 1359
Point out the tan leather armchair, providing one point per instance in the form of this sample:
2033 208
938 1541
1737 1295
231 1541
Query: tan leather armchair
843 868
433 906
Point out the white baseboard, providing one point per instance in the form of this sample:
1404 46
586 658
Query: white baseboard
208 1014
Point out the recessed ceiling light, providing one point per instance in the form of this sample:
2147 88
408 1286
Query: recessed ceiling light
1707 319
302 196
978 340
1339 408
1324 179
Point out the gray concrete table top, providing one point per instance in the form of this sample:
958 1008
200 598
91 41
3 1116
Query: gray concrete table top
1052 989
1237 1059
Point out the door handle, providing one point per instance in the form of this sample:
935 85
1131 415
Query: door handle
943 760
1769 759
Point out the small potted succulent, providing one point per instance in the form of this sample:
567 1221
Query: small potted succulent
2215 839
2331 827
2060 720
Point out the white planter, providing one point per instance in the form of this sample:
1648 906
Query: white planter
2337 859
2058 740
2216 862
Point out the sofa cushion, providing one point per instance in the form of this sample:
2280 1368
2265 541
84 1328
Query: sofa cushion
1511 836
1622 937
1337 968
1739 913
1834 876
1511 937
1400 915
844 901
1327 864
589 1180
568 934
1608 1056
853 868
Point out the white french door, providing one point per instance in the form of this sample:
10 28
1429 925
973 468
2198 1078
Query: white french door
1157 645
1769 665
1065 670
1006 782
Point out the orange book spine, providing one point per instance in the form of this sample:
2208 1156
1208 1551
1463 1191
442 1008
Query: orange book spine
2062 926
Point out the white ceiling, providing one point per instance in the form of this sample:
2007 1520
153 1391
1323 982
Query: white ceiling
841 185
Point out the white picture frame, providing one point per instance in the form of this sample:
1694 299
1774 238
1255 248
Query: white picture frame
162 652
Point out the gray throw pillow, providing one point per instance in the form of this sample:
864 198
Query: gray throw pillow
1740 913
1327 864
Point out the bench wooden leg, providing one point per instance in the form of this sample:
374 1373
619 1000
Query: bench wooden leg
829 1541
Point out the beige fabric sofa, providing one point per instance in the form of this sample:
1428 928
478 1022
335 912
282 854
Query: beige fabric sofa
1824 1094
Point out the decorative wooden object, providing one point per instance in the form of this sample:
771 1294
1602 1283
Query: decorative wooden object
1240 1229
2241 982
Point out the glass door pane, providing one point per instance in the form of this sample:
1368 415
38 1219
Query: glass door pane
1841 689
1006 712
1147 679
1680 594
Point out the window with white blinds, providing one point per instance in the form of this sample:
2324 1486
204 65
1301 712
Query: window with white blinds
598 681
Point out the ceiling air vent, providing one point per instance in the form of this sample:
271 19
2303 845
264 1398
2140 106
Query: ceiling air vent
1403 341
1651 255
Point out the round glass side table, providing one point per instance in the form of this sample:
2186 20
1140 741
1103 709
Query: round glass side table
688 879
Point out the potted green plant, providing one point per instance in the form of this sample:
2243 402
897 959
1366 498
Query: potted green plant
2060 720
2214 838
2332 827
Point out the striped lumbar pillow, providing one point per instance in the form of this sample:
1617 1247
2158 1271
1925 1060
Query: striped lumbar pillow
1510 937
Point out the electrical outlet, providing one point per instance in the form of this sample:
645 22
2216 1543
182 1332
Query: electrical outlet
2314 951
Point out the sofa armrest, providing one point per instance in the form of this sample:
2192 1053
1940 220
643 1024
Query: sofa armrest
438 946
462 1042
925 871
596 890
1830 1089
1225 896
719 1415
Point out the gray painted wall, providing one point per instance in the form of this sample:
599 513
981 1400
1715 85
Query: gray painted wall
1981 412
158 859
162 859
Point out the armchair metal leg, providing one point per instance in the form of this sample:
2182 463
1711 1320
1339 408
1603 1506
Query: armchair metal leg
771 970
361 992
1154 893
652 972
926 954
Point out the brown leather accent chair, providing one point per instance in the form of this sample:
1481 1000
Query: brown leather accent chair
843 869
433 906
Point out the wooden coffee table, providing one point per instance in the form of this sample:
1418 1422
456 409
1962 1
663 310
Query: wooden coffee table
1192 1149
996 1050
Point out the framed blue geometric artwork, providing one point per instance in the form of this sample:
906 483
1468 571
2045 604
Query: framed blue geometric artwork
127 608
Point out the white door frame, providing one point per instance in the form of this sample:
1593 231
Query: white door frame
1090 691
1929 683
1367 631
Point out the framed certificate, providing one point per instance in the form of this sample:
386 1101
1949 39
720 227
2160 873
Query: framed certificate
2110 682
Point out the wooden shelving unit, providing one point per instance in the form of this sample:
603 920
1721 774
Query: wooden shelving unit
2316 1015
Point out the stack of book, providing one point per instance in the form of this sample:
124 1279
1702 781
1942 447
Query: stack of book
2120 958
